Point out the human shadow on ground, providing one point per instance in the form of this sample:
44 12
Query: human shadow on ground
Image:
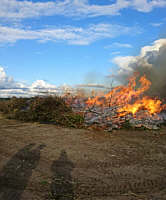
61 186
15 174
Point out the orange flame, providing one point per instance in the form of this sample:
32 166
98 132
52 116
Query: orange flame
122 96
151 105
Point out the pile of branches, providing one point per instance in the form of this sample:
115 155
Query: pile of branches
74 112
108 118
50 109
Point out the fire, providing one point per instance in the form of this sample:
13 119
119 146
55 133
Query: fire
151 105
129 99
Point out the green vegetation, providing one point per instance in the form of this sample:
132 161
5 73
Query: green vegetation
41 109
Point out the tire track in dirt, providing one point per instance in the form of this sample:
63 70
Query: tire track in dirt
121 181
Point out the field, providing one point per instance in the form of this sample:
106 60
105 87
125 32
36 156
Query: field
46 162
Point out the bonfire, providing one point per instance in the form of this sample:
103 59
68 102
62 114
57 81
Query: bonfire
125 104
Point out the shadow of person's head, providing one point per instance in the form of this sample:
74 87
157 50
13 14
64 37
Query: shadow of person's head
62 186
42 146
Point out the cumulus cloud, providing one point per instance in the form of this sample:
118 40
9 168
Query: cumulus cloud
9 87
151 61
40 84
69 34
14 9
7 82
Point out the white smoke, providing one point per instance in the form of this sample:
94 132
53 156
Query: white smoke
151 61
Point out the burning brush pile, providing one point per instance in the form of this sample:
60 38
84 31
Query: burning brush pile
123 106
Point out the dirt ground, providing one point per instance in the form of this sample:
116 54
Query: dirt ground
46 162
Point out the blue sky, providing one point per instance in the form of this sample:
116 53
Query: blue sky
66 41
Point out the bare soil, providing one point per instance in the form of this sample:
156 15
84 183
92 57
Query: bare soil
46 162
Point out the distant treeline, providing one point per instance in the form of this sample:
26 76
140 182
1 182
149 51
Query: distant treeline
4 99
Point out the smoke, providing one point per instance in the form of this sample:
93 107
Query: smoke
96 79
151 62
92 77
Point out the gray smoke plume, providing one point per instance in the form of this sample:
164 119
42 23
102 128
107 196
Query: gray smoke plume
151 62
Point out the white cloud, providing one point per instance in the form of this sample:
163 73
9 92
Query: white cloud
115 52
9 87
156 24
147 6
118 45
72 35
14 9
41 84
122 45
7 81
